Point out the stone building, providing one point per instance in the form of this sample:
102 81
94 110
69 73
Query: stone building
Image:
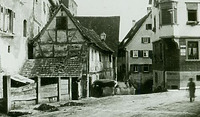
176 49
20 20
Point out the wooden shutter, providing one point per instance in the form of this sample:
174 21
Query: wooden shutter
131 53
149 40
140 53
150 54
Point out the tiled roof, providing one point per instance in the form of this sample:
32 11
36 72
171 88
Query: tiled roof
109 25
89 35
133 31
52 67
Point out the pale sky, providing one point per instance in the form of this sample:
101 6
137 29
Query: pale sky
128 10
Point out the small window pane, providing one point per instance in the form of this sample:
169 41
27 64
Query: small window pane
135 53
146 68
193 50
145 53
192 15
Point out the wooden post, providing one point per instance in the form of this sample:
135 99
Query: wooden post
88 86
59 89
38 90
70 88
6 93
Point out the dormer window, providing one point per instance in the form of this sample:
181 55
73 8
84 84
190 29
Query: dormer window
145 40
103 36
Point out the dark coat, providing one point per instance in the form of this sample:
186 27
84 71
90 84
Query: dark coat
192 88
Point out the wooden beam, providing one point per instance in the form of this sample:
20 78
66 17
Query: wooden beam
7 93
59 89
70 89
38 92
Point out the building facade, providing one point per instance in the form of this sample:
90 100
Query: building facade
108 27
66 49
176 49
20 20
135 52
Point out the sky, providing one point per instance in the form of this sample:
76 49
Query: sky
128 10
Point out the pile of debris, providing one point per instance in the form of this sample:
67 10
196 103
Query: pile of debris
46 107
72 104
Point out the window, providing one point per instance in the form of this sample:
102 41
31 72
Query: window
110 58
134 68
146 68
148 26
145 39
24 28
2 19
8 49
7 20
192 15
192 12
61 23
145 53
44 7
193 50
135 53
168 13
99 56
92 56
198 77
154 28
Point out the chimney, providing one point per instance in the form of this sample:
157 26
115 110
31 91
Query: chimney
133 23
149 9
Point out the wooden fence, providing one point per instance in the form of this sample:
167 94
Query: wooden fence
31 92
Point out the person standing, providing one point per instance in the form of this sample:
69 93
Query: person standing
192 88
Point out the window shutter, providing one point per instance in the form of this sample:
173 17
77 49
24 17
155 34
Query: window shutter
140 68
150 68
149 40
140 53
131 53
150 54
142 40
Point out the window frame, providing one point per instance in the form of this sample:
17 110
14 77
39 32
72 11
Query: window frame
187 51
148 26
147 53
134 53
171 8
196 15
146 65
145 40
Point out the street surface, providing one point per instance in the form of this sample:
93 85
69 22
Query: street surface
174 103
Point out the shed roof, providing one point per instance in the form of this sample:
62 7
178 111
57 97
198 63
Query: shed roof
52 67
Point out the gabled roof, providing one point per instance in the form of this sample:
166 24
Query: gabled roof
133 31
108 24
52 67
90 35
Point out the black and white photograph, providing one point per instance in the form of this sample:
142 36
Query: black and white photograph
99 58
